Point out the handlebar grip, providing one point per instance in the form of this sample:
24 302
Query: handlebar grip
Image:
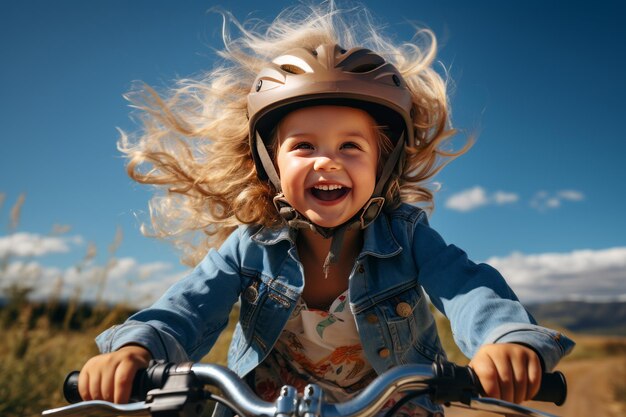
553 388
460 383
144 381
70 388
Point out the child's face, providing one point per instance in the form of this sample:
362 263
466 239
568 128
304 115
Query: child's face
327 160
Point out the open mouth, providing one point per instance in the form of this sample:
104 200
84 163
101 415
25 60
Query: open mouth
329 192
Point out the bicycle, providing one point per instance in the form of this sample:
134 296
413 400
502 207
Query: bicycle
168 390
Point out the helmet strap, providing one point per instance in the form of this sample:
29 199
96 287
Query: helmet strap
268 164
335 249
363 219
296 220
394 161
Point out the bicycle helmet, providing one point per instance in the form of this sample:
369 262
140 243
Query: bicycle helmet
330 75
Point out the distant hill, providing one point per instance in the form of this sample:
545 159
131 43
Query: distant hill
583 317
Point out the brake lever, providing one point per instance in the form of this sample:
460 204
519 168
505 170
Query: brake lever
180 394
99 408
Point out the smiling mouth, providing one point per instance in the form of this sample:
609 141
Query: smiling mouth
329 192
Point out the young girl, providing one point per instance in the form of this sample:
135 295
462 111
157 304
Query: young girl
301 156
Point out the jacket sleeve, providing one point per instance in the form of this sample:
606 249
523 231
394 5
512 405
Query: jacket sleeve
185 322
480 305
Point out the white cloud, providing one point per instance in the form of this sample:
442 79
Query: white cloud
26 272
476 197
593 275
467 200
30 274
544 200
146 271
502 197
30 244
126 280
553 203
571 195
123 279
598 275
122 268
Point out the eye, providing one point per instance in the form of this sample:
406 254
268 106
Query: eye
302 146
350 145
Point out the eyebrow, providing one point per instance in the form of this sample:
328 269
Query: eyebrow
359 133
353 133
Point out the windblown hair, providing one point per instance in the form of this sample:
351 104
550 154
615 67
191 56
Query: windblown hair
193 144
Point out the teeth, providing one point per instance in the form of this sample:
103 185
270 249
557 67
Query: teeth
325 187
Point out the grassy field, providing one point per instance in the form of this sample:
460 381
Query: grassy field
36 353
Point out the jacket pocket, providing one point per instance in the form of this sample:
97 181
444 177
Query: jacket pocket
264 311
411 325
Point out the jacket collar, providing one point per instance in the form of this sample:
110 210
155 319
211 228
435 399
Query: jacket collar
271 236
378 239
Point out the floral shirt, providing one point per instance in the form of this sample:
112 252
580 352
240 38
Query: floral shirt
321 347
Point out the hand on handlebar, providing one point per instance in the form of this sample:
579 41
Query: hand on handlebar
167 389
508 371
109 376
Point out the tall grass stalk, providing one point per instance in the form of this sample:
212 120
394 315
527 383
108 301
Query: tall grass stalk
16 212
104 273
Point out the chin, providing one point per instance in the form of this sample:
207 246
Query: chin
327 218
329 223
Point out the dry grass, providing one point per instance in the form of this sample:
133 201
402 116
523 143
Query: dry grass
34 364
41 342
35 356
34 360
447 340
597 347
619 388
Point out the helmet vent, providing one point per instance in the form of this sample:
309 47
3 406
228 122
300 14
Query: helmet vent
292 69
363 68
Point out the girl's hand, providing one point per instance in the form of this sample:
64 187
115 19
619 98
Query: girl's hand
508 371
109 376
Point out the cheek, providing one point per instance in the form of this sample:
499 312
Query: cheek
279 163
369 174
291 177
287 170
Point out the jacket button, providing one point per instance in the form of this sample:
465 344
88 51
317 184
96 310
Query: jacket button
251 294
361 269
372 318
384 353
404 309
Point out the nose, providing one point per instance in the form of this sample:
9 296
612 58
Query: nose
326 163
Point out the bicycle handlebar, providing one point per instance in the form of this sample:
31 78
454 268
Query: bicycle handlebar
164 385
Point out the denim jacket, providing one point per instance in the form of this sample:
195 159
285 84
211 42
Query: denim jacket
402 259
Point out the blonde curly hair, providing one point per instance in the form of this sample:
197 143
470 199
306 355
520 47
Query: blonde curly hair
193 144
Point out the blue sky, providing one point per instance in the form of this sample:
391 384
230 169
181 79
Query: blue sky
540 82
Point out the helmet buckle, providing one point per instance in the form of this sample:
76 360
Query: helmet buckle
371 210
284 209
